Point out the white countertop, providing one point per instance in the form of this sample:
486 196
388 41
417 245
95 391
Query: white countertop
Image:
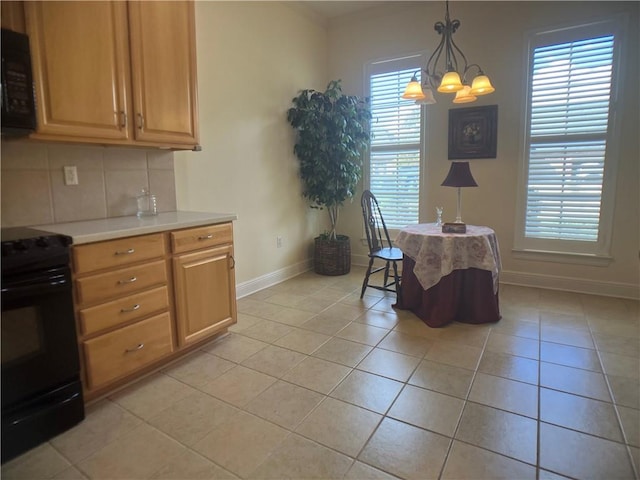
118 227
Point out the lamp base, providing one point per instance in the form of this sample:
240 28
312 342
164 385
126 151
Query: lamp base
457 227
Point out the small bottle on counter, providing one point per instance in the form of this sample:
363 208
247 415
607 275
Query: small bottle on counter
147 204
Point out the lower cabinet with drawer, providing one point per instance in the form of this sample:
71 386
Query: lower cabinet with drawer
116 354
144 300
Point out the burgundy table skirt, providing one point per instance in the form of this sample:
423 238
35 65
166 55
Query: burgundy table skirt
463 296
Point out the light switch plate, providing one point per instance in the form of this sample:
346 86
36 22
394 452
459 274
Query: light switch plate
70 175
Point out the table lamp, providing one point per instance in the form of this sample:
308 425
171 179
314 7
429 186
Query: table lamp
459 176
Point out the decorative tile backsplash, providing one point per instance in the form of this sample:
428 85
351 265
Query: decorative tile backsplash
109 178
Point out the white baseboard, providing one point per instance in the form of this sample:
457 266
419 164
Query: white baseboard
252 286
551 282
569 284
360 260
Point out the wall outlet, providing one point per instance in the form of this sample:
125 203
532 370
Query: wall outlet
70 175
279 242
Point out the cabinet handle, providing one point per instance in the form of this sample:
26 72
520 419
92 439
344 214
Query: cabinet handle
140 122
123 116
205 237
129 280
126 252
140 346
132 309
233 262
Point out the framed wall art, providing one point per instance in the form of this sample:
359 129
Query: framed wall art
473 132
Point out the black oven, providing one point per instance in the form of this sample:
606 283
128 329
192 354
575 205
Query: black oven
17 94
41 389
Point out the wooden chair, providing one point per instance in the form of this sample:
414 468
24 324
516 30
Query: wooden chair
380 247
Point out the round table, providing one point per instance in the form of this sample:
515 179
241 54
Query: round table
450 276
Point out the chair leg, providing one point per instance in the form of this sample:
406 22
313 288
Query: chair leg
366 278
398 284
386 275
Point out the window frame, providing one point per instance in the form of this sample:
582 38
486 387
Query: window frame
414 61
572 251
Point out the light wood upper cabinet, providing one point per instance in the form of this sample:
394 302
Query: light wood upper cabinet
163 55
80 67
113 72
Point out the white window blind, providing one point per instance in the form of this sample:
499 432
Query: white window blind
571 85
394 170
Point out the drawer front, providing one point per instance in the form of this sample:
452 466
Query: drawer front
119 353
124 281
116 312
201 237
115 253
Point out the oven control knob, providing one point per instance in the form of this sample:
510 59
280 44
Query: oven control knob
42 242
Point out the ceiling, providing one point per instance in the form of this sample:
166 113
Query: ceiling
336 8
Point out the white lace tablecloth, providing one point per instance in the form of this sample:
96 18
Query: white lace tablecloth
437 254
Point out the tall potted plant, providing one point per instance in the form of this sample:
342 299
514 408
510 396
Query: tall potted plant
332 134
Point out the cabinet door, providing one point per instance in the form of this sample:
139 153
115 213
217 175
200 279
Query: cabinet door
80 67
205 293
163 59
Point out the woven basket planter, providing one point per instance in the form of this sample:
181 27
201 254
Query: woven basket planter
332 257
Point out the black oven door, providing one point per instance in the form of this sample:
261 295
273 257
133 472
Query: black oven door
39 345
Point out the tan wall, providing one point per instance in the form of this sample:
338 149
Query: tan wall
253 58
493 34
34 193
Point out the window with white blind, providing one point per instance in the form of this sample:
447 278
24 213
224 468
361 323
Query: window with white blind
568 154
396 141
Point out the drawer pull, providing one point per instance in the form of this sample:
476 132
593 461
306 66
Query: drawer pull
131 350
126 252
205 237
132 309
129 280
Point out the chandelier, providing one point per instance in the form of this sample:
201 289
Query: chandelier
453 74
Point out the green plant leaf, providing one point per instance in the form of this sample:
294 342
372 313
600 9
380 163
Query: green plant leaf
332 136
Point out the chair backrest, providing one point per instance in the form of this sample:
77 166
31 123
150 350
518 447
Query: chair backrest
374 223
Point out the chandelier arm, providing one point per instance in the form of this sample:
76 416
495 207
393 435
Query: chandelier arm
457 49
431 72
450 29
468 68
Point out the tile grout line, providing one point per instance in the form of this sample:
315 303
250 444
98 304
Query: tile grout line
538 442
464 406
625 441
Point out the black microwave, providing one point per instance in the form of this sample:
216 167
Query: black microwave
18 100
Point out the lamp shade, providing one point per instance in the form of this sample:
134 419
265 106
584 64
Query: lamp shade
413 90
463 96
481 86
450 83
428 98
459 176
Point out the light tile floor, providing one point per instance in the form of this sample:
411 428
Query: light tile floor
315 383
